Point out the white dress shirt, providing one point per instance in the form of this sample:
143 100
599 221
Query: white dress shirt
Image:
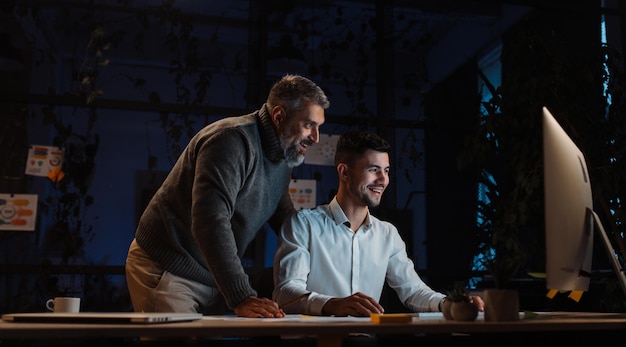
317 253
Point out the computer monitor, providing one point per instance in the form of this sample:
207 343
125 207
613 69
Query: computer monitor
569 215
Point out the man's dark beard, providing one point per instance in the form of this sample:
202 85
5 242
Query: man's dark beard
365 199
369 202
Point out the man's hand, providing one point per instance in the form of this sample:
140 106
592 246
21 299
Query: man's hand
255 307
357 304
479 302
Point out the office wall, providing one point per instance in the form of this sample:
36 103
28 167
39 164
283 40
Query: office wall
127 124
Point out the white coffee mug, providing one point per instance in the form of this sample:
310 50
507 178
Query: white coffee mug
63 304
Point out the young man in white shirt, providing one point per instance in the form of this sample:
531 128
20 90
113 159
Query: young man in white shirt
335 259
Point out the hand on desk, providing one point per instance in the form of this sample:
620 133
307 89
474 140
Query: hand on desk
361 305
478 301
357 304
255 307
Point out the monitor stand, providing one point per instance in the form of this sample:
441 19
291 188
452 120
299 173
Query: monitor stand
617 266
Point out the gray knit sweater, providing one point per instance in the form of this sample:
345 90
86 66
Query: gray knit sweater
230 179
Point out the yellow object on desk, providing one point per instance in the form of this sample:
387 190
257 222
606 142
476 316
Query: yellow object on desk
391 317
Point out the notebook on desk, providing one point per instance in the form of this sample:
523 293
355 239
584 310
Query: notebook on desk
101 317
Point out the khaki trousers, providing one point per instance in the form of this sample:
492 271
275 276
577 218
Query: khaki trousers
153 289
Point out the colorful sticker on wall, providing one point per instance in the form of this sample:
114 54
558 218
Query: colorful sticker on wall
18 211
302 193
45 161
322 153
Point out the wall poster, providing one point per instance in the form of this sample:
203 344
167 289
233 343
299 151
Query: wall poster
18 211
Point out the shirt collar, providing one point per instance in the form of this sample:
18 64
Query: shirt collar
340 217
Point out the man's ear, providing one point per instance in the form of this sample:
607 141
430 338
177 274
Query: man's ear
277 113
342 171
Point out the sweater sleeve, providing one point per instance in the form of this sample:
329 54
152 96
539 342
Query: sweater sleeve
217 184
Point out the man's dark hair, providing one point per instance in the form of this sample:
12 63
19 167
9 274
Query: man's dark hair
353 144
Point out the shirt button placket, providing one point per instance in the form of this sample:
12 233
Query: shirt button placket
356 264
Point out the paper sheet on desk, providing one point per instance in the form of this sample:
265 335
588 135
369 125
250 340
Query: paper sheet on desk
294 318
324 319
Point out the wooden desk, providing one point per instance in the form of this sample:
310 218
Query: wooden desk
328 331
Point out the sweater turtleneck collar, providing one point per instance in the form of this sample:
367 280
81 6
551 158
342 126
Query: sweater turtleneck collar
269 137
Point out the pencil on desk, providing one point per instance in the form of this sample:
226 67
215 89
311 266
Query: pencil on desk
294 300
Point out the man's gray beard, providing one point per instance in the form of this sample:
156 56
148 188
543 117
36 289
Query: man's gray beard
292 157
